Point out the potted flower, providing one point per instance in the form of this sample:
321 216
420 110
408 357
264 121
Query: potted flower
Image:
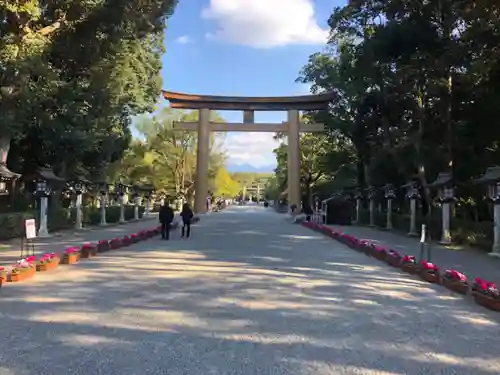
486 294
126 241
88 250
23 269
3 275
455 281
393 258
115 243
71 255
134 238
379 252
102 246
409 264
429 272
47 262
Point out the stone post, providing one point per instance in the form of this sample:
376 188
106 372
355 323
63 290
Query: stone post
202 155
371 197
446 199
43 231
294 196
103 209
122 209
389 195
137 200
79 212
495 251
492 178
148 206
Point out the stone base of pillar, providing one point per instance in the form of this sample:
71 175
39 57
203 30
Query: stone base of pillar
495 252
44 234
413 234
103 224
445 242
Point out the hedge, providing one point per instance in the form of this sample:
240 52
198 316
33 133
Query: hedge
12 224
463 232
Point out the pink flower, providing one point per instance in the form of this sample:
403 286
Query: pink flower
429 266
455 275
409 259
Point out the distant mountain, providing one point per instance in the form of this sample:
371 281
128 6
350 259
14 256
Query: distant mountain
250 168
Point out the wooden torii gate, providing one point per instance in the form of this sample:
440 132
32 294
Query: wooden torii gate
292 127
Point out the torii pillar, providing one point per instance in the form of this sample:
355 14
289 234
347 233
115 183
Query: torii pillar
293 127
202 156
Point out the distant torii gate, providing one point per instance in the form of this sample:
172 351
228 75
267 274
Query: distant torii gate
205 103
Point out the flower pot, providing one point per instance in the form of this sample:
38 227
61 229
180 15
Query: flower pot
455 286
87 252
379 255
102 247
431 277
393 260
25 274
409 267
486 301
72 258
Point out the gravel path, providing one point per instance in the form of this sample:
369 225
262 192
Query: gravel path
248 294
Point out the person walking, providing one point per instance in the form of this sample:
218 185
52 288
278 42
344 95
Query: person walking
166 217
187 216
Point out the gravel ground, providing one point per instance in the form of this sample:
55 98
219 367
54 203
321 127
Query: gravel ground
249 294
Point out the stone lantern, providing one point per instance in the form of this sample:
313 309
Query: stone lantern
148 191
6 177
103 195
79 187
446 196
390 195
120 191
413 194
43 179
372 197
491 178
136 194
358 196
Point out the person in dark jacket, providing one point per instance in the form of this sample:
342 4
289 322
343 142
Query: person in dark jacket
166 218
187 216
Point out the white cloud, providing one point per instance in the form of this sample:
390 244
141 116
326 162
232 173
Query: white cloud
255 149
265 23
185 39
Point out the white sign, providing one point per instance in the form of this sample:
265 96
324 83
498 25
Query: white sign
30 226
422 238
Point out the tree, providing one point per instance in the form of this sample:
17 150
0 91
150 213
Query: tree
72 74
225 185
166 157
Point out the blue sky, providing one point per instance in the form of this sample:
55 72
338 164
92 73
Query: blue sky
247 48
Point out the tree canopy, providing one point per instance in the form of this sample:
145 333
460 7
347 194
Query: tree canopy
417 91
72 73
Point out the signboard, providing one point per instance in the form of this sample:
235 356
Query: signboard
30 227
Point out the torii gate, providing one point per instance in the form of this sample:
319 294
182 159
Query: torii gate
205 103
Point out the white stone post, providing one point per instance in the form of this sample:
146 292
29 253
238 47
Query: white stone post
148 206
413 217
372 212
103 210
358 210
389 213
79 212
122 209
495 251
44 205
446 214
136 208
